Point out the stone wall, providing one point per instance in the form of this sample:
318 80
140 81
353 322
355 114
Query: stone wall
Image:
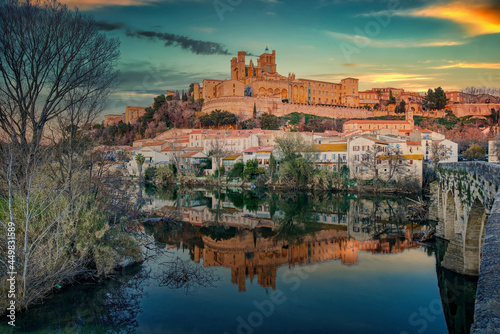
243 107
479 109
488 171
487 308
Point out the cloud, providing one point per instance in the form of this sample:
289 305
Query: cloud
478 17
271 2
206 30
492 66
195 46
109 26
93 4
392 43
392 77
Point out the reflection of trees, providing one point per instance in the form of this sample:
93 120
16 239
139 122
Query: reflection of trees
109 307
297 221
186 275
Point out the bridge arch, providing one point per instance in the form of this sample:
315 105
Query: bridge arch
474 238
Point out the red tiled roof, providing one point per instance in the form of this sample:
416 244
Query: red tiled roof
414 143
364 121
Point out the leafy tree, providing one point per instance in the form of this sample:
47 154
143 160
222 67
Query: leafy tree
140 159
269 122
184 97
474 152
272 167
401 107
251 169
159 101
290 146
392 99
165 175
191 88
435 100
218 118
237 170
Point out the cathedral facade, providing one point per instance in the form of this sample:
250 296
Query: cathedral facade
262 84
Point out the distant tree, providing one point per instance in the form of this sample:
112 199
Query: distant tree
269 122
251 169
474 152
481 90
392 99
217 150
159 101
184 97
140 159
401 107
439 153
435 100
494 117
218 118
237 170
254 111
191 88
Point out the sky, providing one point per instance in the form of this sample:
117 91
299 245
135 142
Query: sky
410 44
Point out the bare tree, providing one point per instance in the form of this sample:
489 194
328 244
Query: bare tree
52 60
439 153
396 163
368 161
217 150
186 275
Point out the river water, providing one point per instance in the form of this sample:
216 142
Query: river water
260 262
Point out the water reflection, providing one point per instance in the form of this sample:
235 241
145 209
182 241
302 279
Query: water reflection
254 233
229 245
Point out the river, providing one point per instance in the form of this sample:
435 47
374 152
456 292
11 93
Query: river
270 262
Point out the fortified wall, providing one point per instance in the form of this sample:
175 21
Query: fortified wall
243 108
480 109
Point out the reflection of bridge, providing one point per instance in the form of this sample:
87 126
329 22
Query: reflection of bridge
252 256
466 194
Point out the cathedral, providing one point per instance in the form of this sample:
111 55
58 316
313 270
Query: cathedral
262 81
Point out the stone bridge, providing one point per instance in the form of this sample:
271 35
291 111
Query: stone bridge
466 203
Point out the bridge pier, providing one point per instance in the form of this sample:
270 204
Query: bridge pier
466 195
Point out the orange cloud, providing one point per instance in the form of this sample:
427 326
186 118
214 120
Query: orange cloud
493 66
392 77
91 4
478 18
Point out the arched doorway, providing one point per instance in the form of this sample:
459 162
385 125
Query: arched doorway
284 94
